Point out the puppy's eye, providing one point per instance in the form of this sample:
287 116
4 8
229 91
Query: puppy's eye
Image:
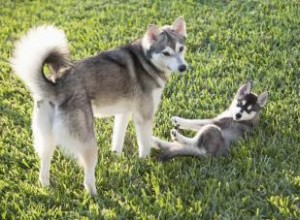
239 103
167 54
181 49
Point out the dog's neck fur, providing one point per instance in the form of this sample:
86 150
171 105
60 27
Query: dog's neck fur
156 74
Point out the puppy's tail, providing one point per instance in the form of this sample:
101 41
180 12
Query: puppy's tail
41 45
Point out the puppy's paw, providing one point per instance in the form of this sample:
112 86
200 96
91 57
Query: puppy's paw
160 144
174 134
156 142
175 121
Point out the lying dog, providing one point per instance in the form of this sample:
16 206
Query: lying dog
215 136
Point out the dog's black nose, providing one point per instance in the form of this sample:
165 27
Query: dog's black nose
238 115
182 68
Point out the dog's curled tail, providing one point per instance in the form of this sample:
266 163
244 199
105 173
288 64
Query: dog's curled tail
41 45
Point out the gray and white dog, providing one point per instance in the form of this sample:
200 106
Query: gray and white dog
124 82
215 136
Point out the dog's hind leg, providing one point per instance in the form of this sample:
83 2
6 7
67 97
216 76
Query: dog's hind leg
176 136
120 126
44 143
178 151
74 131
161 144
88 160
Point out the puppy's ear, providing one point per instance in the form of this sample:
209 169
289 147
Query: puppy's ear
262 99
179 26
150 36
244 89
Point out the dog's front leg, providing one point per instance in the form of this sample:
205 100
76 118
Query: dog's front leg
193 124
144 136
120 125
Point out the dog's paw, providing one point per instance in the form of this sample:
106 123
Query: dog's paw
90 188
175 121
174 134
45 180
159 144
156 142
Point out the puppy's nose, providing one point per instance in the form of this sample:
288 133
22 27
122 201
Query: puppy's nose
182 68
238 115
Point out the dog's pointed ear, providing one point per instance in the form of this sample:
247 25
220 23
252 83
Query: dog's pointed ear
262 99
179 26
244 89
150 36
152 33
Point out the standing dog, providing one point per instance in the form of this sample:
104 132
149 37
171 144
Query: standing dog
215 136
122 82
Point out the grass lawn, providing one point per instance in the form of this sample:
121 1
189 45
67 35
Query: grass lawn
229 42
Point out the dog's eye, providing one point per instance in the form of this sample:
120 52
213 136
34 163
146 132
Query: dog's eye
167 54
239 103
181 49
